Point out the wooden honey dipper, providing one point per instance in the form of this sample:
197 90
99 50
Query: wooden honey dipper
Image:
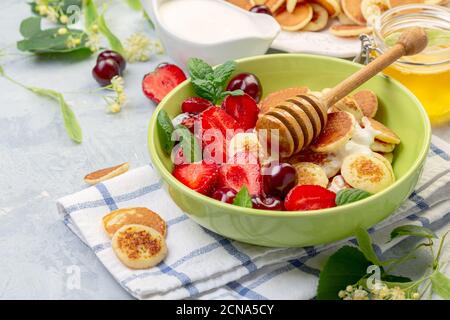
300 119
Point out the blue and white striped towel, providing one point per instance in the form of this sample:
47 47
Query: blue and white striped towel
204 265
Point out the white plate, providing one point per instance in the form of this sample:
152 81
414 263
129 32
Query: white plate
323 43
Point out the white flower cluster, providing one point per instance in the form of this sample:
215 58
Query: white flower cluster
116 103
380 291
51 13
138 48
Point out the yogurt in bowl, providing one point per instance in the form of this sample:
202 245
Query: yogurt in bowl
212 30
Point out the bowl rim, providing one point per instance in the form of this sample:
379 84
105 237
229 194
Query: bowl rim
233 209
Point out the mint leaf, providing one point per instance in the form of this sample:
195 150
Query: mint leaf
209 83
350 195
412 230
345 267
165 129
223 72
243 198
191 148
441 284
365 245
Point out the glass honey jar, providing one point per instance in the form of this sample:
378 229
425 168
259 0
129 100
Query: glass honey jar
426 74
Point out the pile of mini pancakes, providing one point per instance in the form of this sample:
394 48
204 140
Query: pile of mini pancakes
355 16
336 159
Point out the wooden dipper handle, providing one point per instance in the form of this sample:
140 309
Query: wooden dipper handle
411 41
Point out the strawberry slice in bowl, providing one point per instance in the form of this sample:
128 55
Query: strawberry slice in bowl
198 176
242 170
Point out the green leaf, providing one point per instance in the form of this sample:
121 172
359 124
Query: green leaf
393 278
90 13
223 72
365 245
191 149
441 284
49 41
113 41
243 198
436 37
345 267
148 19
199 69
412 230
134 4
350 195
165 129
30 27
71 124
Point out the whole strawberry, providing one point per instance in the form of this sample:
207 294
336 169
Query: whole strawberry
157 84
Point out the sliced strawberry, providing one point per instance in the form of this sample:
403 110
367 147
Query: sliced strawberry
309 197
243 109
195 105
199 176
157 84
215 124
245 170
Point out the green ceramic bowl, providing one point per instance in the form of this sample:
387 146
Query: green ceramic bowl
398 109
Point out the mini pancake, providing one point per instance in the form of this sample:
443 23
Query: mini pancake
274 5
327 161
367 101
291 123
371 173
302 119
310 174
386 162
343 19
337 184
380 146
118 218
290 5
244 4
345 31
138 246
296 20
396 3
386 134
319 20
286 142
349 105
352 9
388 156
107 173
332 6
277 97
337 132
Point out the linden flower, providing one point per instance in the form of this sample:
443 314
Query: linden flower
93 42
138 47
64 19
62 31
116 103
52 14
72 42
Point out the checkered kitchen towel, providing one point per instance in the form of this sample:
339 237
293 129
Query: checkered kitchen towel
204 265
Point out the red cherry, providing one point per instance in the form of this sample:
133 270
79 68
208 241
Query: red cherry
195 105
225 194
279 178
247 82
309 197
261 9
243 109
105 70
267 203
117 57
